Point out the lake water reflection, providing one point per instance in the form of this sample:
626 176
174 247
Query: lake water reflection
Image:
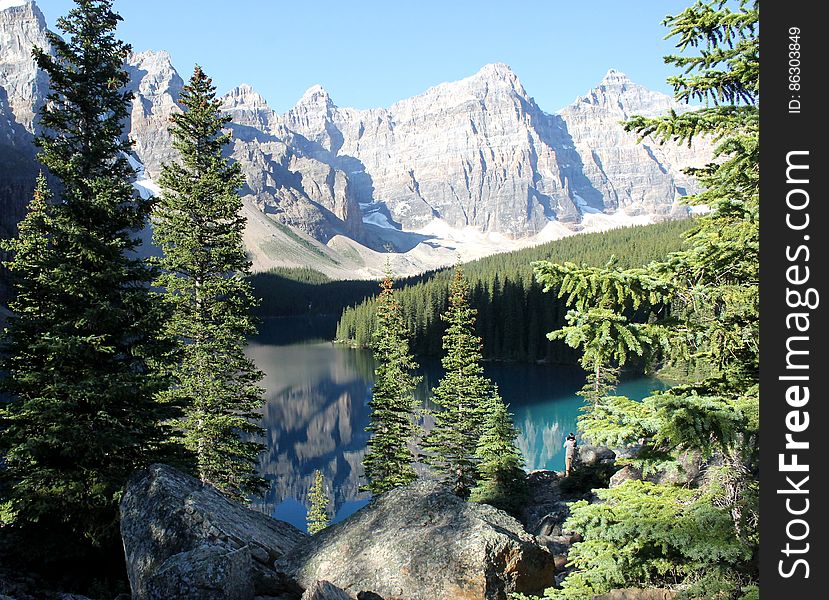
317 409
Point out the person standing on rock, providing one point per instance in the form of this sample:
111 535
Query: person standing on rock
570 453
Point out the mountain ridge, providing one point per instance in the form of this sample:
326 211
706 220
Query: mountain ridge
466 167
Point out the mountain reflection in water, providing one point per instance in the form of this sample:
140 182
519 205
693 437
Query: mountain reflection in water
316 412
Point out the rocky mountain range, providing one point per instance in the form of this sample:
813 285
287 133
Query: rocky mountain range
469 167
22 89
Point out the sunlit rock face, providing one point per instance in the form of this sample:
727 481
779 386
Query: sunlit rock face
422 542
289 177
473 153
23 89
156 86
478 153
639 177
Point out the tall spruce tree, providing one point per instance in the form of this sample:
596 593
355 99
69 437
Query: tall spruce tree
30 254
318 517
389 460
461 395
198 225
81 349
702 539
502 480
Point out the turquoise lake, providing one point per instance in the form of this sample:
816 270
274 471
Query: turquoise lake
316 411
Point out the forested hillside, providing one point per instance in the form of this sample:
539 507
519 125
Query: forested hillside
514 315
286 292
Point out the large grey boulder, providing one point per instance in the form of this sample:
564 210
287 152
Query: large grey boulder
209 572
626 473
591 456
183 538
421 542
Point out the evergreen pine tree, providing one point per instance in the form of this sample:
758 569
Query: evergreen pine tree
81 351
606 338
31 254
461 395
704 539
198 224
502 480
388 462
318 518
502 285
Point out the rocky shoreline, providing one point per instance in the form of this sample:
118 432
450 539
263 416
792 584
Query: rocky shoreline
183 539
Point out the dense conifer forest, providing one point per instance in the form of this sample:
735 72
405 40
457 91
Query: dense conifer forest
286 292
514 315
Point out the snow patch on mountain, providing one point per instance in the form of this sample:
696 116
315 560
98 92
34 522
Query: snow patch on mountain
443 245
441 230
378 219
146 187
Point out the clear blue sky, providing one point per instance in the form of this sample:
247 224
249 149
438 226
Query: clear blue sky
373 53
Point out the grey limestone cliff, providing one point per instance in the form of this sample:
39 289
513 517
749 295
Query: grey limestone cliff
22 92
156 86
639 177
481 152
23 86
478 152
288 176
